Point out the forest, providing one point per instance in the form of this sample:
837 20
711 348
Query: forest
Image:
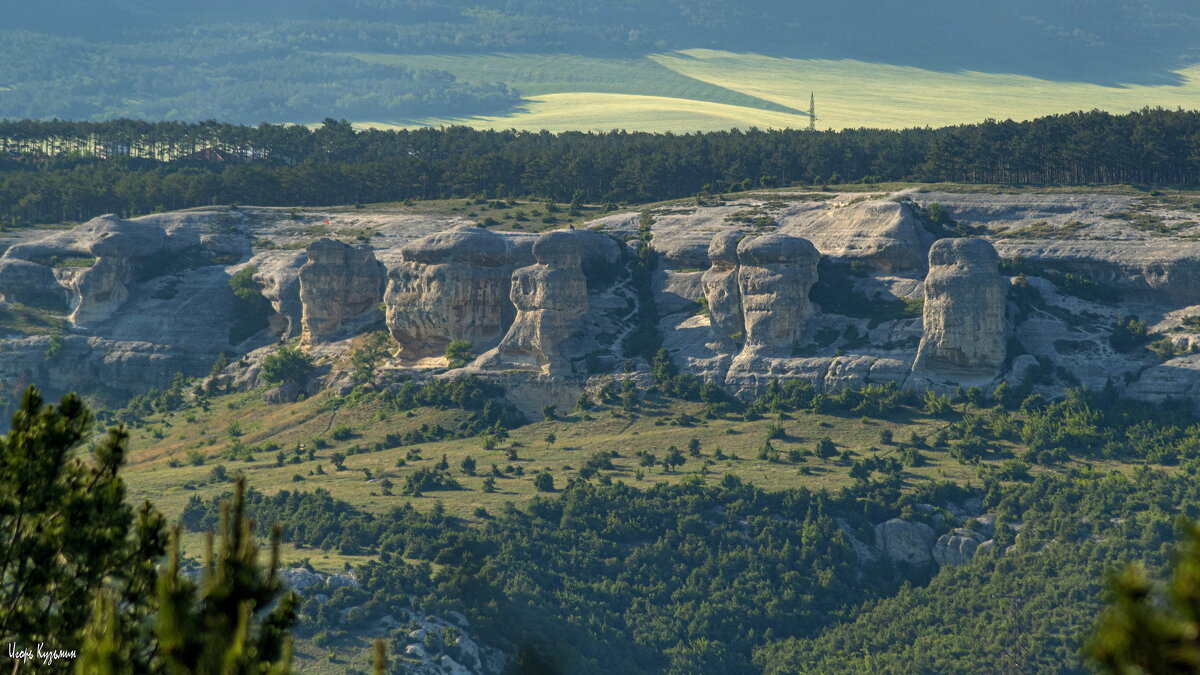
215 77
71 171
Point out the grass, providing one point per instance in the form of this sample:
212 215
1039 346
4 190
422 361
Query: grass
540 74
704 90
23 320
150 477
588 111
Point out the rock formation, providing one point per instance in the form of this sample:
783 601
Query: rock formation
905 541
721 291
882 233
957 548
30 284
449 286
551 298
339 282
964 330
103 287
774 277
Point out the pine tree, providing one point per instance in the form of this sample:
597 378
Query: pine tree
236 619
1153 630
65 527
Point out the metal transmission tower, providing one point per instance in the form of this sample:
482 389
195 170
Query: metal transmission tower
812 112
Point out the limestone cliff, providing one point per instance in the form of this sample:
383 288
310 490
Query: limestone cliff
551 298
449 286
964 330
338 283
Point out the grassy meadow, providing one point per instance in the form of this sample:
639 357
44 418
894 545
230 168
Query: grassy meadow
707 90
173 455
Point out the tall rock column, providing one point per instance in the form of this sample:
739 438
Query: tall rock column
449 286
964 331
720 283
551 298
338 283
775 274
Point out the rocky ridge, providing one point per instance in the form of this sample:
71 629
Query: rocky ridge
827 287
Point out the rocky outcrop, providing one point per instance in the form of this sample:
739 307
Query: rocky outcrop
905 541
30 284
103 287
721 289
338 283
882 233
957 548
449 286
551 298
775 274
964 329
1149 270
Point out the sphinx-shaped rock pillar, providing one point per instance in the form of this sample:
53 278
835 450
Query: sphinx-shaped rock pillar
551 298
774 275
964 329
449 286
720 283
103 288
338 282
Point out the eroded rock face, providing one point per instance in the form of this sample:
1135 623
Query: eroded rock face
551 298
30 284
449 286
774 276
905 541
964 330
883 233
957 548
339 282
720 283
103 287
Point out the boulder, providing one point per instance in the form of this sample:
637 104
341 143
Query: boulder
905 541
964 326
339 282
957 548
551 298
449 286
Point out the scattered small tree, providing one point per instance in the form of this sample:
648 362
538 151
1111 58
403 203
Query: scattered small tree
285 366
544 482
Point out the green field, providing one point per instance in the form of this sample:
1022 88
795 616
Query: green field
706 90
729 445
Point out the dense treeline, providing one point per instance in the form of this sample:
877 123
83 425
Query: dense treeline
685 578
1027 610
288 165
